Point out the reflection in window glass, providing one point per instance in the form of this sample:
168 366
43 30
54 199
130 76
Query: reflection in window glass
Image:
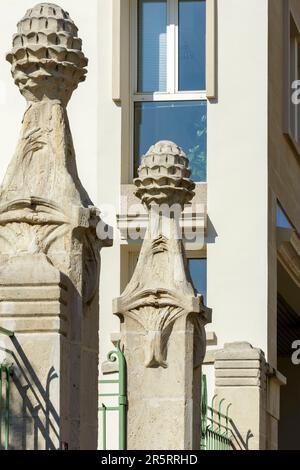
192 28
282 220
294 76
152 45
183 122
198 272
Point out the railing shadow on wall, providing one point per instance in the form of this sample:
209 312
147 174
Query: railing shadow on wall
218 430
35 403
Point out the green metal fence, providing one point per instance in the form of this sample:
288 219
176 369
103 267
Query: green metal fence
5 378
216 431
121 397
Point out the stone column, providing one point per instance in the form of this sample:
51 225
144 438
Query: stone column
162 319
49 252
245 379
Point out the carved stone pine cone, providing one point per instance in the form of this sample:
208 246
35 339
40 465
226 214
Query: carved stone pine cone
164 176
46 57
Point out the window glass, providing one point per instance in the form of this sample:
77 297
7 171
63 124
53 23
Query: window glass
183 122
192 30
282 220
294 77
198 272
152 45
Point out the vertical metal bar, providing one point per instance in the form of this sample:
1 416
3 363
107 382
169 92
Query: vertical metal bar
122 394
212 410
227 426
122 400
104 426
0 405
7 407
203 412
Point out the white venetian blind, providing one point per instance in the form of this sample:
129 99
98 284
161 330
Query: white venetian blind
152 45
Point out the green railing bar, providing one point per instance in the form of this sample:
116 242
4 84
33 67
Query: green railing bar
104 425
216 433
227 420
112 356
5 332
220 414
108 395
108 381
109 408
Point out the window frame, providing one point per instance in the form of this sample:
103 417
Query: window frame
290 21
172 93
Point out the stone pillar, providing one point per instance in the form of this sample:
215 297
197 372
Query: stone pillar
49 252
162 319
244 379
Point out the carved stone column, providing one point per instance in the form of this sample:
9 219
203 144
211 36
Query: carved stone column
49 252
162 319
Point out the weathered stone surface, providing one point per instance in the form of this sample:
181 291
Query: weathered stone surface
49 252
46 57
162 318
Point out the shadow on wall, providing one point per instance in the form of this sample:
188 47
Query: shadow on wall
211 232
238 443
33 418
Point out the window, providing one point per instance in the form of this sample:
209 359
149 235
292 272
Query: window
294 77
281 219
169 99
198 272
196 266
191 47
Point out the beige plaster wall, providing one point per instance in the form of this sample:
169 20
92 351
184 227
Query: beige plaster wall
237 176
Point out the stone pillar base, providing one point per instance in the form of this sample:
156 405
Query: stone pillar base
243 378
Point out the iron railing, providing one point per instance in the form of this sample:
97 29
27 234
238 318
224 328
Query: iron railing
216 431
121 396
5 379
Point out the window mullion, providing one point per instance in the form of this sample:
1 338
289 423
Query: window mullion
176 46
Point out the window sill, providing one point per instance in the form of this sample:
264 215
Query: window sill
193 220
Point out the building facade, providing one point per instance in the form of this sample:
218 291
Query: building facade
216 77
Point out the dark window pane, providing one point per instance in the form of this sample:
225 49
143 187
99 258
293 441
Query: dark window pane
183 122
152 45
192 30
198 272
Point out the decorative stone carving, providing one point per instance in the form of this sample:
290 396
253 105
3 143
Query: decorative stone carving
47 60
48 226
159 307
160 289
